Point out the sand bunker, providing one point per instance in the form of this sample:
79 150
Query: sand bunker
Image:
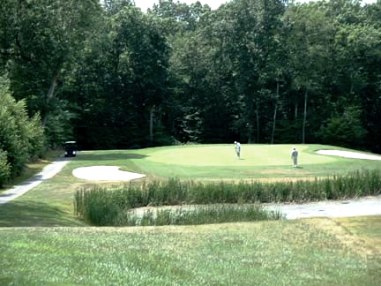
105 173
349 154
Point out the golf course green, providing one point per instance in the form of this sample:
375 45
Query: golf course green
219 162
223 155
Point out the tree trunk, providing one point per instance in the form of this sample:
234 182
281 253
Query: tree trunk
249 133
304 117
49 96
275 112
151 119
257 123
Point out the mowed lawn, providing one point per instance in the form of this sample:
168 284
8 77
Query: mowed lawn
218 162
43 243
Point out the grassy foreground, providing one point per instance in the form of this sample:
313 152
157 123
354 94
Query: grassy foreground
308 252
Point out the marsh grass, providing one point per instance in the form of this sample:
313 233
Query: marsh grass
103 206
196 215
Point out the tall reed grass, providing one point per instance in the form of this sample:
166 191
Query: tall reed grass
102 206
194 215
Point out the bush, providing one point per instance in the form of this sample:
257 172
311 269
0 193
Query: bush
343 129
4 168
20 136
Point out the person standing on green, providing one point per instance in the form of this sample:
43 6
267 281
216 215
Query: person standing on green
294 157
238 149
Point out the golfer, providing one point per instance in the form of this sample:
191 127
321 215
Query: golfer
294 157
238 149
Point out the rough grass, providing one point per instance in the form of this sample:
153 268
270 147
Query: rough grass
309 252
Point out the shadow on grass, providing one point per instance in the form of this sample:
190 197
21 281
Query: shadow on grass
5 195
108 156
30 213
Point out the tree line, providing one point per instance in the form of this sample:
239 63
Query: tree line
260 71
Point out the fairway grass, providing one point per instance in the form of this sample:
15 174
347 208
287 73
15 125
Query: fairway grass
219 162
306 252
222 155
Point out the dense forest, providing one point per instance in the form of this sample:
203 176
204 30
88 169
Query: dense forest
259 71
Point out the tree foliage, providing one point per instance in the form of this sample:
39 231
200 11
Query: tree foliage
21 137
269 71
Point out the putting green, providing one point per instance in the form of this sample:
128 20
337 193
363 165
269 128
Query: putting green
224 155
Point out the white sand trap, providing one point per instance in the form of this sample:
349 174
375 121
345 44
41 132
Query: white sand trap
349 154
105 173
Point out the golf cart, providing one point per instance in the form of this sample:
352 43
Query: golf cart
70 148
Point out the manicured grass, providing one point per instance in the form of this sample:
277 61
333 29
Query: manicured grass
223 155
218 162
309 252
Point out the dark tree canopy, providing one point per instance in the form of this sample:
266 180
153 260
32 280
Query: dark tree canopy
264 71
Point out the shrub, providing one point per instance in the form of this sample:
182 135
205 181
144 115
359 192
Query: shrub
4 168
20 136
343 129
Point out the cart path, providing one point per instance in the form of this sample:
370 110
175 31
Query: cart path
364 206
48 172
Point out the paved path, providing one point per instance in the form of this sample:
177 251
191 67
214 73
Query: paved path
364 206
48 172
